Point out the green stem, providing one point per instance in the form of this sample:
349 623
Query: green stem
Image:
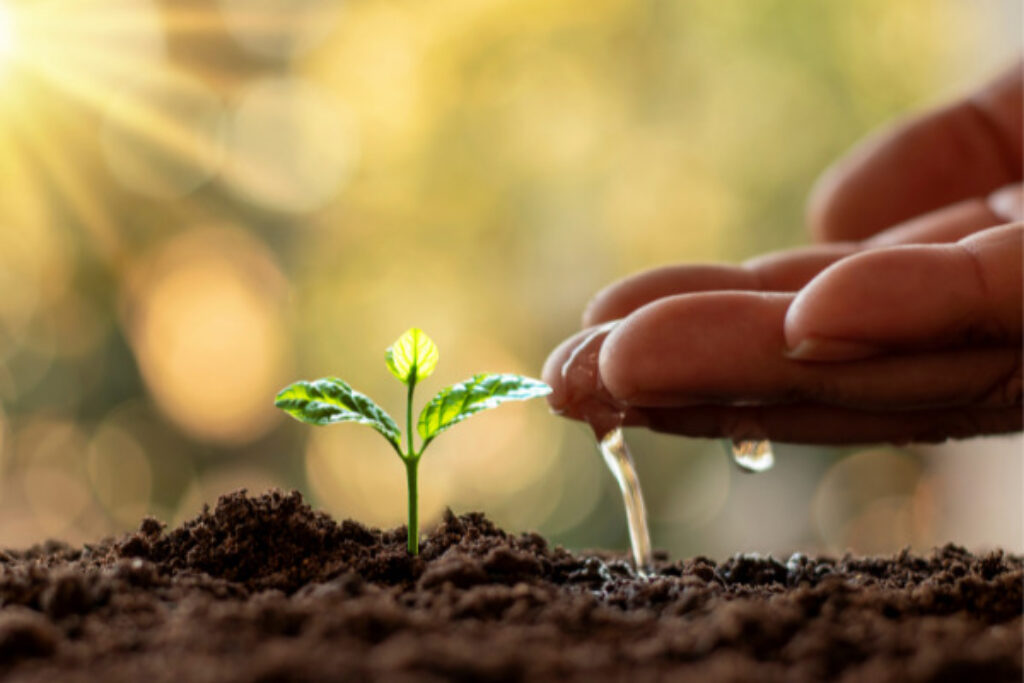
409 452
412 463
411 469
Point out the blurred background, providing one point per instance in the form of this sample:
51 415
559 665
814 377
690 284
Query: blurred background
203 200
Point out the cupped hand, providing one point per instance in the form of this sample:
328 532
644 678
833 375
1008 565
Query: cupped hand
902 324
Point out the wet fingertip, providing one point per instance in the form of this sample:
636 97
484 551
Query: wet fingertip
551 374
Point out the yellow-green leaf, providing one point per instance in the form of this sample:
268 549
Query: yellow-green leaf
412 357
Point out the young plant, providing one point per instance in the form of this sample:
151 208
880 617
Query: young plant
412 358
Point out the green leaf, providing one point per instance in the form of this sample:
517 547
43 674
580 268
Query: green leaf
329 400
480 392
412 357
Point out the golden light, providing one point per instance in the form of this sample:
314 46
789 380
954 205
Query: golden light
88 65
7 40
275 143
279 29
120 474
173 153
865 502
204 319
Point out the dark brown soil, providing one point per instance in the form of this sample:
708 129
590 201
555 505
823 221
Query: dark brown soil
265 589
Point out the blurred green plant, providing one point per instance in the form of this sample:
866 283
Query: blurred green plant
412 358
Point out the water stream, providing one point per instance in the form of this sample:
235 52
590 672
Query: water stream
606 418
619 460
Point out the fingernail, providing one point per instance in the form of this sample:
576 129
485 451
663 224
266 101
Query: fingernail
1008 203
818 349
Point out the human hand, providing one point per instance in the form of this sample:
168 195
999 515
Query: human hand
904 324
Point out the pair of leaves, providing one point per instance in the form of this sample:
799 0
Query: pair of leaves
411 358
330 400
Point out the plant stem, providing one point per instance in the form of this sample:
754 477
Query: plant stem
411 469
412 463
409 452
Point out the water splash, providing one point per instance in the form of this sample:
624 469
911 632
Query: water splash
619 460
751 456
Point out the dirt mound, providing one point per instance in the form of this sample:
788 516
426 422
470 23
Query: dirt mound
266 589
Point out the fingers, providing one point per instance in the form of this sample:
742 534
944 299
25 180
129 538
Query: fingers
913 298
948 224
625 296
716 364
783 271
571 381
964 150
790 270
729 348
821 424
577 390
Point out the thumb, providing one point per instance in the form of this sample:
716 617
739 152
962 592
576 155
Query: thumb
917 297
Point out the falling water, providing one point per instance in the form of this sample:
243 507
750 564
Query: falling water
605 418
751 456
620 462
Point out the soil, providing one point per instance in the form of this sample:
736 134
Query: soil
266 589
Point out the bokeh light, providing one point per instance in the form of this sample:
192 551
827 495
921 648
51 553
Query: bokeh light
289 145
203 317
204 200
867 501
279 29
120 474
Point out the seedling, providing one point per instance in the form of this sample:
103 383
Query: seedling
412 358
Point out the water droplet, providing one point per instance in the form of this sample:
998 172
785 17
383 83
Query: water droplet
752 456
617 456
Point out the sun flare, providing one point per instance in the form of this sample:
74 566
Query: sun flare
86 65
7 41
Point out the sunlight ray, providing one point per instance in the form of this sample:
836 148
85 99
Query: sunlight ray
72 185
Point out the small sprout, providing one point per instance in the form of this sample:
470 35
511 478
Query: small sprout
413 357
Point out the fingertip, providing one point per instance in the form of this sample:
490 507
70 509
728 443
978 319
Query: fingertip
551 374
613 363
914 297
829 318
573 375
616 299
824 214
633 356
594 313
693 347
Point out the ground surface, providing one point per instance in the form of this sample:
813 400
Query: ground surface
265 589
